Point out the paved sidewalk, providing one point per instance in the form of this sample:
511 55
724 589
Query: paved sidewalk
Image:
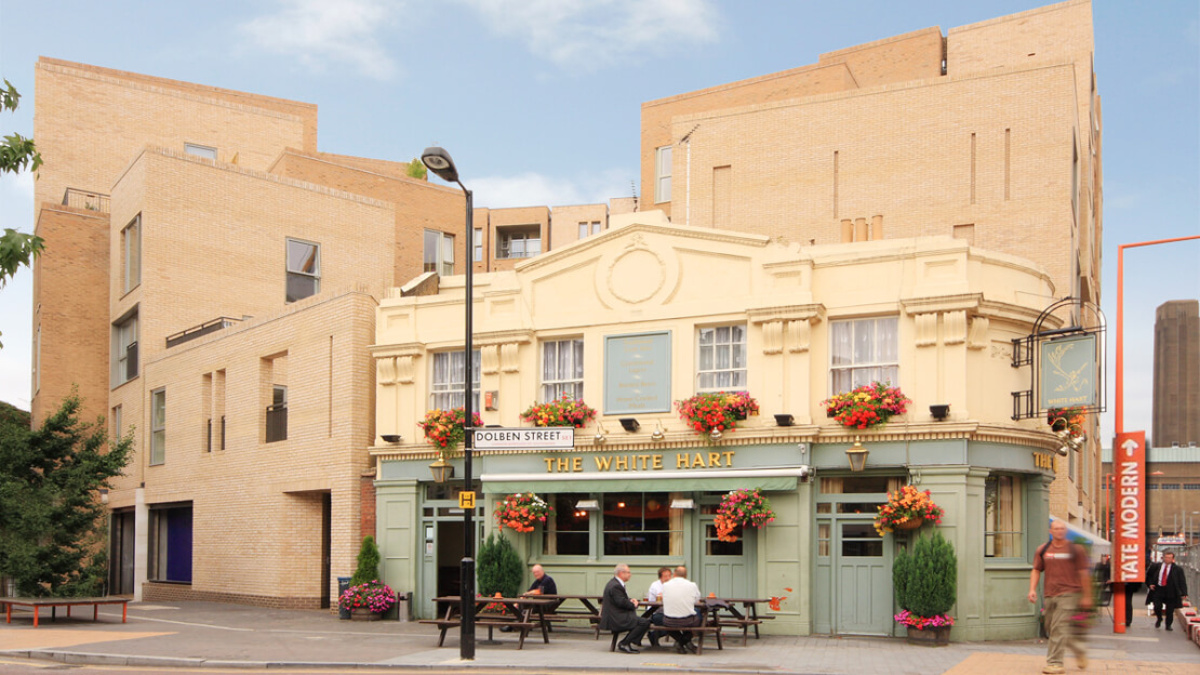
190 634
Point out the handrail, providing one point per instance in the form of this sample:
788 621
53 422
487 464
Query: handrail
82 199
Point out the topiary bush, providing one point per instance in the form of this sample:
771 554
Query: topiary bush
927 580
499 568
368 562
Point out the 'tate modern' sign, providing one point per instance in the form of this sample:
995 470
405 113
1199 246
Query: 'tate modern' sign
1068 372
539 438
1129 510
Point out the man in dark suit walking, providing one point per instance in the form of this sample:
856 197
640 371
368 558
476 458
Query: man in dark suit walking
1168 589
618 613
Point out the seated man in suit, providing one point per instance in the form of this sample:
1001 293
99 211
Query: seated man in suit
618 612
679 597
1168 589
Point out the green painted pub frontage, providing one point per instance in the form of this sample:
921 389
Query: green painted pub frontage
653 504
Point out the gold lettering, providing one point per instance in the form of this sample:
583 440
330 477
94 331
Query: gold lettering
549 464
714 459
681 461
728 457
623 463
603 463
698 460
645 461
657 462
577 464
561 464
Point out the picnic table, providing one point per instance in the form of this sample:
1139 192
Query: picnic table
589 610
54 603
745 619
517 614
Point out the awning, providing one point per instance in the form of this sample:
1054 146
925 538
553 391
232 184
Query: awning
1096 544
770 480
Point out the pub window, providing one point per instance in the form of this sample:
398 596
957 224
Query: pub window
863 351
1003 533
562 369
641 524
449 374
568 530
722 358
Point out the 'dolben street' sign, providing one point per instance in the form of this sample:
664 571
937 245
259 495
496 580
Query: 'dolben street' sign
537 438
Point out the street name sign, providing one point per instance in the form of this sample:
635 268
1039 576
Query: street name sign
537 438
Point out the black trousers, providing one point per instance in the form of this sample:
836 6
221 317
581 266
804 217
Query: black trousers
635 635
682 636
1130 591
1163 605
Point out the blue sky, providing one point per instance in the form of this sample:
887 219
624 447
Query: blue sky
539 100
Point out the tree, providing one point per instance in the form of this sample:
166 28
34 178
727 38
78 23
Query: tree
926 580
416 169
51 519
499 568
368 562
16 154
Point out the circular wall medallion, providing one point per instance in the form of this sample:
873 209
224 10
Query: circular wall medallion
636 275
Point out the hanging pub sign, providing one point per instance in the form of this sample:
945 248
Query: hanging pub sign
1068 370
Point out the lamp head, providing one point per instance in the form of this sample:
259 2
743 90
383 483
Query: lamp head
437 160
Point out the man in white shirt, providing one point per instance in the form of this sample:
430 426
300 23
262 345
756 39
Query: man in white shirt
664 575
679 598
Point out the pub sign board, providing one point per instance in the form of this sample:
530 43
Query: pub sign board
1069 372
637 373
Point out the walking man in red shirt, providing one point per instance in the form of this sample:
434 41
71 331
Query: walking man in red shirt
1068 588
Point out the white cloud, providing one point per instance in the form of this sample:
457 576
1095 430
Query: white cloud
319 31
533 188
588 34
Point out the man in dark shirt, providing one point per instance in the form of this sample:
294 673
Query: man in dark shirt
542 584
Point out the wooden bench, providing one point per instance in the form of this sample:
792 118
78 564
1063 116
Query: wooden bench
744 624
446 624
698 631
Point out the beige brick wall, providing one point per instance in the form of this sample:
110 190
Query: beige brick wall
418 205
90 122
565 221
256 505
70 281
499 219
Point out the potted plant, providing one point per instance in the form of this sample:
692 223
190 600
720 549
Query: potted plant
445 428
742 508
367 598
926 583
522 511
1066 419
870 405
714 413
562 412
907 509
499 568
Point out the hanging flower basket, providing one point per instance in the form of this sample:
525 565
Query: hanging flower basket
870 405
742 508
1066 419
907 509
521 511
716 411
563 412
445 428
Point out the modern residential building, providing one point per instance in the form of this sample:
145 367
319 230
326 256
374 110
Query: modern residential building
920 134
1176 411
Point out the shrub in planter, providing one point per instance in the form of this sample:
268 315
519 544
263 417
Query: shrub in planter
368 562
499 568
926 583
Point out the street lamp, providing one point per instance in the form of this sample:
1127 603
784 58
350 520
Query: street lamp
438 161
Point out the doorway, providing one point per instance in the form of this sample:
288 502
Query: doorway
326 547
120 556
724 565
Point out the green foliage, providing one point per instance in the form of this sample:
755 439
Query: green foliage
51 519
416 169
927 580
11 414
16 154
368 562
499 568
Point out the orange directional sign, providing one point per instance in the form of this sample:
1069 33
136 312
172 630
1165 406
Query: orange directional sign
1129 509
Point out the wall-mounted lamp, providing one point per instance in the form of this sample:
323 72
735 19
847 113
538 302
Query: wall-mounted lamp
103 495
683 503
658 434
784 420
857 455
442 470
940 411
601 435
630 424
715 434
392 438
802 448
587 505
1071 439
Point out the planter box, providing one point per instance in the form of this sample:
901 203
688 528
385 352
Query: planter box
930 637
364 615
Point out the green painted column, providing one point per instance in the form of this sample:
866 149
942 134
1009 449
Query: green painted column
958 490
397 523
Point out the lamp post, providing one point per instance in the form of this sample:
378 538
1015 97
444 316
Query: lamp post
438 161
1119 402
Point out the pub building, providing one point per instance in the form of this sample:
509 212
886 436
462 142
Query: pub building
648 314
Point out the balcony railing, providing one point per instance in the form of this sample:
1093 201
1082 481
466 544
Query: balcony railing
90 201
277 423
219 323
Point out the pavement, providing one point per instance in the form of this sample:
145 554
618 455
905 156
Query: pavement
188 635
